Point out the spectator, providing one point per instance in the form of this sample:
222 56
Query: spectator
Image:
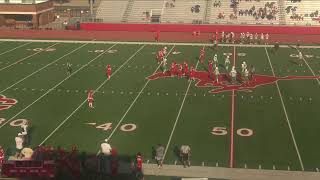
19 146
1 156
185 153
159 155
138 166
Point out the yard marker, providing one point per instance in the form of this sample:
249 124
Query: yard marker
232 116
310 68
97 89
15 48
259 166
285 112
51 89
274 167
20 60
317 169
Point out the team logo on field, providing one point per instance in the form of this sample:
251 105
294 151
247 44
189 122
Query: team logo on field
6 103
203 80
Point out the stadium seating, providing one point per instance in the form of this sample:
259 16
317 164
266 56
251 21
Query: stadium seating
302 13
142 11
184 12
111 10
305 12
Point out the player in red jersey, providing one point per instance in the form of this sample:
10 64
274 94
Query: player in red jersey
172 68
160 56
90 98
202 55
1 156
210 68
180 70
192 73
185 69
108 71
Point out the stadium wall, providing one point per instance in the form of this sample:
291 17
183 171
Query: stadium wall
202 28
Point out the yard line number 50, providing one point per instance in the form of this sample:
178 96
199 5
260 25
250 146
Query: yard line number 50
222 131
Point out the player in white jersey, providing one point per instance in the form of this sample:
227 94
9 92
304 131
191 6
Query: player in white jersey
243 66
215 59
233 74
267 38
217 73
227 62
300 58
164 65
246 76
262 38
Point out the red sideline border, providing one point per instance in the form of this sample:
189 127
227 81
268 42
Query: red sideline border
168 32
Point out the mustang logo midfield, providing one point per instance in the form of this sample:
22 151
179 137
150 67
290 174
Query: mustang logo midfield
224 84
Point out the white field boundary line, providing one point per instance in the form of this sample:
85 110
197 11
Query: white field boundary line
156 43
42 68
286 114
97 89
15 48
26 57
51 89
177 118
309 67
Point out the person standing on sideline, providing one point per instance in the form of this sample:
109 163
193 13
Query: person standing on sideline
185 152
159 155
19 145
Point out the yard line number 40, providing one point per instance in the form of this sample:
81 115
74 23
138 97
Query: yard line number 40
222 131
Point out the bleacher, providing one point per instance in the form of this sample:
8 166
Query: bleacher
305 12
302 13
111 10
184 12
143 10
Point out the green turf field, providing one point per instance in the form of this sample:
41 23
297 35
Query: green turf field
270 126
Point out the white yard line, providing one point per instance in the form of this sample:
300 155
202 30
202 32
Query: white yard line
51 89
97 89
26 58
154 43
286 114
15 48
176 121
135 99
309 68
42 68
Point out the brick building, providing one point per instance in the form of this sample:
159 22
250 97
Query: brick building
25 12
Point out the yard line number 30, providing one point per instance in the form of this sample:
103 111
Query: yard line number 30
222 131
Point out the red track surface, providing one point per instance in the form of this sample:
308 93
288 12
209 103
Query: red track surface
168 33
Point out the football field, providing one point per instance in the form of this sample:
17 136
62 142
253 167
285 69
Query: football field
271 122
